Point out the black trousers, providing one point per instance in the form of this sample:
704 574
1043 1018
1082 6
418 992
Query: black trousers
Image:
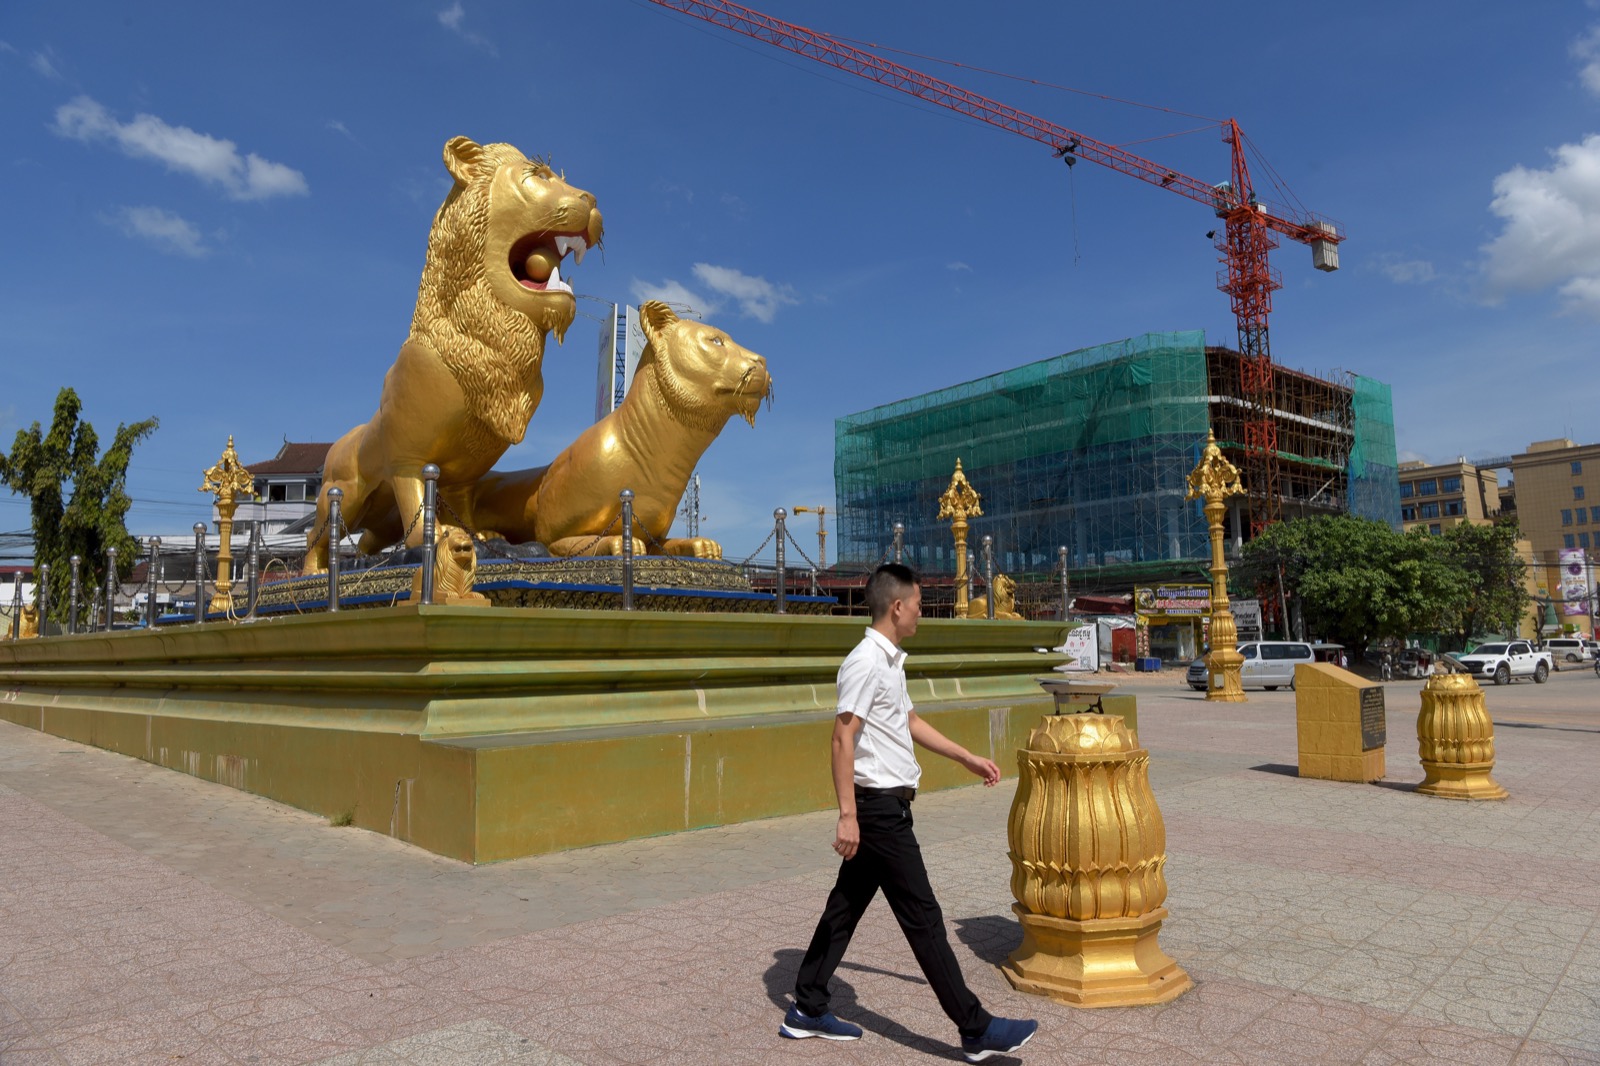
889 858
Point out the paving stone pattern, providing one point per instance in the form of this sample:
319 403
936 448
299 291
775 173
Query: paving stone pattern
148 917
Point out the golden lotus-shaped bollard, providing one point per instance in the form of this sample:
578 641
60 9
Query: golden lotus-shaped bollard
1087 851
1455 740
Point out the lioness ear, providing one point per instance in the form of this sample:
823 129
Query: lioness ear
655 316
461 157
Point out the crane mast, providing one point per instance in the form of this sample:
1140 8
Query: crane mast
1250 230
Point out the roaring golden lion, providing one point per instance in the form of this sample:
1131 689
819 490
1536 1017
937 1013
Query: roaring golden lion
468 377
1005 600
691 379
455 568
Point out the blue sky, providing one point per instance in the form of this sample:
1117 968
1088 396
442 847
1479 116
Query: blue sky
217 213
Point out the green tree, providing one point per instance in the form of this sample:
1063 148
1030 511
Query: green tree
1496 595
78 498
1357 580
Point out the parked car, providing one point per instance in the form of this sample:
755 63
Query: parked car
1268 664
1506 660
1567 649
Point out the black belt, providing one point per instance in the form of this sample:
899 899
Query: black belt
903 792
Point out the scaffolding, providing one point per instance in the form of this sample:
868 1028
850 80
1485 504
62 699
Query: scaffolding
1091 451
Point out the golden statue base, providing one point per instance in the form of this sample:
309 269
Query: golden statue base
1460 781
1103 962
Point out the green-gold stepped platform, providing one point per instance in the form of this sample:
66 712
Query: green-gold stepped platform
492 733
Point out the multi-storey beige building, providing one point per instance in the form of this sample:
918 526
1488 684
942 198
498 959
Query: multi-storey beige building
1558 507
1445 494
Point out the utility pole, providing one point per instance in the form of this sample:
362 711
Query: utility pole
822 533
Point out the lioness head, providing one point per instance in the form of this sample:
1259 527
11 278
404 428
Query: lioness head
1004 589
703 373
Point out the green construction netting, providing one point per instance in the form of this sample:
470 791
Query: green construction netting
1374 464
1089 450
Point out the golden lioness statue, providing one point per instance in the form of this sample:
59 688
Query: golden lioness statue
691 379
455 568
468 377
1005 600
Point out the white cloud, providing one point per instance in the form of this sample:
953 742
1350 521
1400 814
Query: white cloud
757 298
211 159
167 232
43 65
1551 233
1586 50
672 292
1405 271
452 17
7 46
958 265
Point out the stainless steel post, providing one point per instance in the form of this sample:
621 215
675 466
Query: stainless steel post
430 501
41 598
780 602
627 549
16 608
200 572
988 575
972 575
335 534
111 587
94 609
255 569
150 583
72 595
899 542
1065 600
813 581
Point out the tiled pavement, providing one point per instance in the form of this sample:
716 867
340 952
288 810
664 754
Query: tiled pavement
147 917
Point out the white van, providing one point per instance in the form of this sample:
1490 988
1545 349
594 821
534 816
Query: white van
1567 649
1270 664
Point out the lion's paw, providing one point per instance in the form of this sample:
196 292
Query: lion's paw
698 547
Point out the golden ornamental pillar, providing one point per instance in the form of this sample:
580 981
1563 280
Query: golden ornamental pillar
960 502
1455 740
1214 480
1087 850
227 481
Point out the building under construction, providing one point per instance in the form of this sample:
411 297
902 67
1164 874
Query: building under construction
1092 450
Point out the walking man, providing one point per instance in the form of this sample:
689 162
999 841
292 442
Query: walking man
875 776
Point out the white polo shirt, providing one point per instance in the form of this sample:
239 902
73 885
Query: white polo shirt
872 686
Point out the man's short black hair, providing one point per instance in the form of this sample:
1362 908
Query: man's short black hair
888 583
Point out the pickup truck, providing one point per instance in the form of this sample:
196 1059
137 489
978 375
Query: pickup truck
1515 658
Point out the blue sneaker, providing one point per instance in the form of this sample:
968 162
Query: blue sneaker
1003 1035
797 1026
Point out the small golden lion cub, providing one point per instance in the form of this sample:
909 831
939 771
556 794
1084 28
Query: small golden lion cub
455 567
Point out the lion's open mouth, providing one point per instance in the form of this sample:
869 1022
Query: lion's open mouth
536 260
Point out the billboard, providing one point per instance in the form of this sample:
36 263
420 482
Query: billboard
1574 582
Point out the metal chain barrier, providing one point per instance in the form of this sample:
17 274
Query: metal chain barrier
746 560
790 538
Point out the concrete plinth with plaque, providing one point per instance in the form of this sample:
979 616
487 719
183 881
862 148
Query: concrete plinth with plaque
1340 722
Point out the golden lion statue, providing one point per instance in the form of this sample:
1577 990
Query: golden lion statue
455 567
691 379
468 377
1005 600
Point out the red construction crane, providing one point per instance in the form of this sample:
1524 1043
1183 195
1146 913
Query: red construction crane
1250 229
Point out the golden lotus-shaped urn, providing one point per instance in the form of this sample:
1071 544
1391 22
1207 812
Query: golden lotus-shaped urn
1087 851
1455 740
